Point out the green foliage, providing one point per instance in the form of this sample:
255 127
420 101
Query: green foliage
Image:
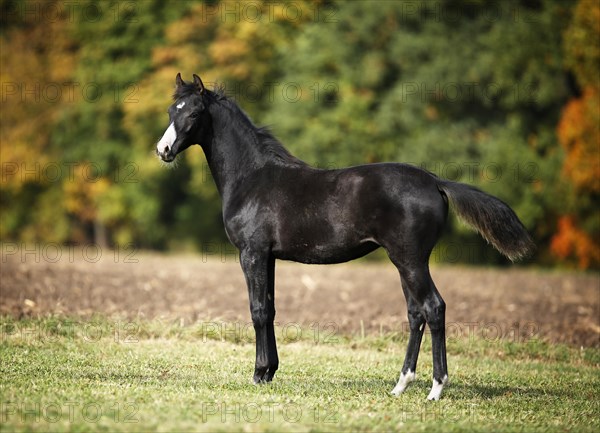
581 54
471 91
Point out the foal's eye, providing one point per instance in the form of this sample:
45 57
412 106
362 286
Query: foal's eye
194 115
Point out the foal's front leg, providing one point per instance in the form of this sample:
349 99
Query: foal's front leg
259 270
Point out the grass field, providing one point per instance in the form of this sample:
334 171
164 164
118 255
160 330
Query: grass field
60 374
155 342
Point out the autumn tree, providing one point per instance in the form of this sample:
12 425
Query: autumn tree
578 232
37 57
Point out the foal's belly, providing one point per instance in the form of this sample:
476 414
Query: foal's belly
323 228
325 255
317 247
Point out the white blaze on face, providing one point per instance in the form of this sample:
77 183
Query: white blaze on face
180 106
167 140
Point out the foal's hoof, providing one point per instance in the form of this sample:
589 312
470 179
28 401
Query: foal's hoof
264 375
436 389
403 382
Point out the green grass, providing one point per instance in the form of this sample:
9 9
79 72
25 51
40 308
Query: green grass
62 375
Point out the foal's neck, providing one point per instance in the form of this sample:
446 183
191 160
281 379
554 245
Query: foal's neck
233 153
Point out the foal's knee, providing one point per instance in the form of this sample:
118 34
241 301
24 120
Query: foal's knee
262 317
415 320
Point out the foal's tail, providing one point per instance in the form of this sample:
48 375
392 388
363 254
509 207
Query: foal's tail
491 217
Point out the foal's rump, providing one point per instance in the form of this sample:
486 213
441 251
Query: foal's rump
417 201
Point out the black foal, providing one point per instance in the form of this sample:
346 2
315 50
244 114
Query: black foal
277 207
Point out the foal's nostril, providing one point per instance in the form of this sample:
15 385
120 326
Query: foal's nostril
166 149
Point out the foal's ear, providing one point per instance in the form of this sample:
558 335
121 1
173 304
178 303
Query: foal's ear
198 83
178 81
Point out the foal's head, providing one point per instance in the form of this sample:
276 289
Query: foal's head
188 119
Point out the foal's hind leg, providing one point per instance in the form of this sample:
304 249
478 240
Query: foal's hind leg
416 323
424 299
435 314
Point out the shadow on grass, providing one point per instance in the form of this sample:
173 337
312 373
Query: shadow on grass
472 391
453 390
310 385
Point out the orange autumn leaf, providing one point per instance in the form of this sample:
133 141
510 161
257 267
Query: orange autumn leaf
571 241
579 134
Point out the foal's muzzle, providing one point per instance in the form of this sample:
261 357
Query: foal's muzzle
165 146
166 156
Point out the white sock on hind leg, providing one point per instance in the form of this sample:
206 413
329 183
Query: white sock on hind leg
403 382
436 389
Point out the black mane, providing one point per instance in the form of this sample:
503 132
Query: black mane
264 138
274 148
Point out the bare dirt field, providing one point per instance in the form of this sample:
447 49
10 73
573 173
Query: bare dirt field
510 303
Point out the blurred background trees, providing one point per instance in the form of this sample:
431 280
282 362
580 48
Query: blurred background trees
502 95
578 234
